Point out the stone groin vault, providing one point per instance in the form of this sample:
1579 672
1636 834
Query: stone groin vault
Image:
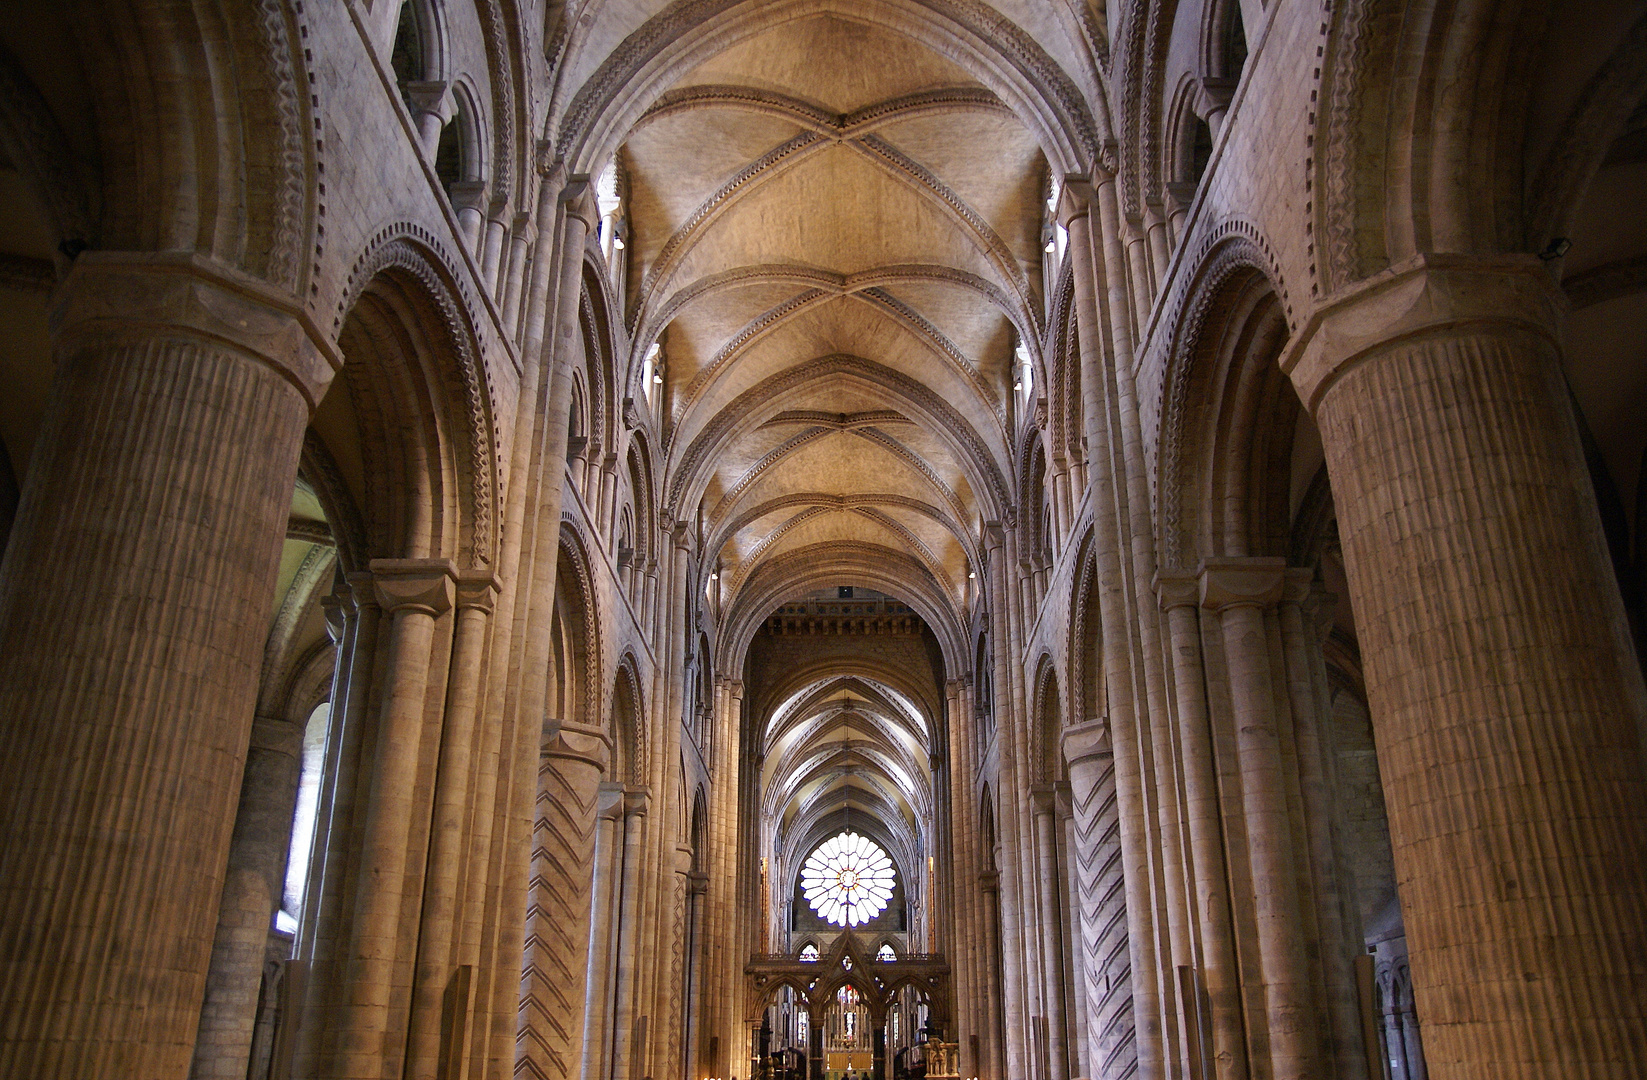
823 539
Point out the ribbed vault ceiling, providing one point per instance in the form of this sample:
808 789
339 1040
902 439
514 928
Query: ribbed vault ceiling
835 236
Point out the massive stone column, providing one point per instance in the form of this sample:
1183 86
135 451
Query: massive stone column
550 1036
1506 703
134 597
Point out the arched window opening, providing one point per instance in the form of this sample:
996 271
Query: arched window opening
886 952
409 58
809 952
1233 42
298 856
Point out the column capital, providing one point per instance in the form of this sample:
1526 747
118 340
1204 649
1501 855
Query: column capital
578 196
1074 198
1044 798
331 610
609 800
1177 587
1296 583
430 96
424 585
477 589
470 195
989 881
1241 582
697 883
114 294
636 801
575 742
1089 739
1428 293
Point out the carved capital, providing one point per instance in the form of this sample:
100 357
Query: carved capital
477 589
360 590
697 884
1074 199
468 195
1176 588
1044 798
1296 587
636 801
1090 739
1252 582
1428 294
609 801
578 196
113 296
580 743
421 585
331 609
990 881
430 96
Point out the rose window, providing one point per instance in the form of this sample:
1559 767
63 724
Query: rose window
848 879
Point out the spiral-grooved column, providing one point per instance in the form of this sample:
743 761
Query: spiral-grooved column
1505 699
1106 960
134 598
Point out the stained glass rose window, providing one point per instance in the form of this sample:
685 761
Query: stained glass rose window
847 879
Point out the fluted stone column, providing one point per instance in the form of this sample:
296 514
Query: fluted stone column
1505 699
251 893
989 883
1180 595
1101 899
549 1040
697 885
597 997
442 994
153 512
1241 591
634 823
1051 929
413 593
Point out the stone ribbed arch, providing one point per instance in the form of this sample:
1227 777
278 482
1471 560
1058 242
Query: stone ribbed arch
205 136
825 677
794 151
876 567
999 53
602 334
755 405
731 527
413 368
1234 261
816 711
817 284
877 300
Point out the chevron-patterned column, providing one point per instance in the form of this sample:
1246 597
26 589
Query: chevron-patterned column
549 1035
1112 1048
